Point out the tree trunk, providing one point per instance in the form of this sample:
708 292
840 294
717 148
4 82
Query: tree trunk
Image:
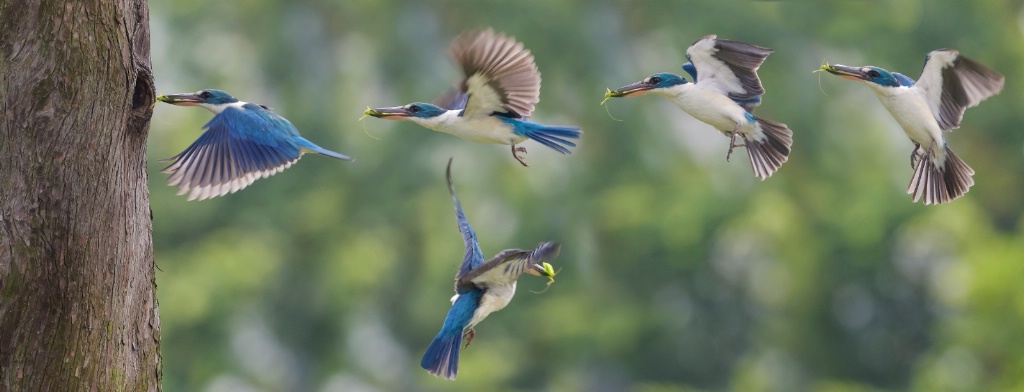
78 308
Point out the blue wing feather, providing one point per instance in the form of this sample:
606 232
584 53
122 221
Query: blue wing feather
473 256
904 80
243 161
690 69
748 104
260 126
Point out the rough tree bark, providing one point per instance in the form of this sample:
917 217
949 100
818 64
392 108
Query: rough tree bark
77 292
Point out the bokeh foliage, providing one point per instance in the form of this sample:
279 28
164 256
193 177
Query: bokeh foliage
680 271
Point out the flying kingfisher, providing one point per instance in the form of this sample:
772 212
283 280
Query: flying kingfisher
481 288
493 101
724 93
242 143
949 84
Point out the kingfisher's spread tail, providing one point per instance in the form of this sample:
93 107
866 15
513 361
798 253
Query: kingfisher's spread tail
442 356
554 137
309 146
937 185
769 153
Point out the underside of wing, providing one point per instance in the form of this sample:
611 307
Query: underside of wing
508 265
951 83
730 67
505 267
500 76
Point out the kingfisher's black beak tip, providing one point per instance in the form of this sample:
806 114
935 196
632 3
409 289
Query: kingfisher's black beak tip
637 88
180 99
845 72
396 113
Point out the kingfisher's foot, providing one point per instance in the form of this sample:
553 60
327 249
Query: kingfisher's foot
469 337
515 154
915 156
925 153
732 145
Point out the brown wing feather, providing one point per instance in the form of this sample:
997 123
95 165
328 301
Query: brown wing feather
965 85
501 64
503 257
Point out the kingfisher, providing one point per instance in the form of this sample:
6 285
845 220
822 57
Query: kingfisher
481 288
494 100
949 84
724 93
242 143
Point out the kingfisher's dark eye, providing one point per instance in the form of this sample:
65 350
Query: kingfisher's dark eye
205 95
874 74
654 80
414 108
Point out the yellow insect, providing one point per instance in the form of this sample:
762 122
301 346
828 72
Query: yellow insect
608 94
369 112
550 272
824 68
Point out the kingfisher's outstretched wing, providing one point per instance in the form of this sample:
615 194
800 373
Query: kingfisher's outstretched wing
500 76
238 147
951 83
508 265
748 104
473 256
729 67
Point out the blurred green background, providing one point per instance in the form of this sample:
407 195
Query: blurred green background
681 271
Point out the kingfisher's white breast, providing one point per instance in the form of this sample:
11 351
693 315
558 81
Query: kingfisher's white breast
908 106
479 129
495 298
709 107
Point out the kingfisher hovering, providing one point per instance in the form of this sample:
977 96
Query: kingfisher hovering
242 143
949 84
494 100
481 288
724 93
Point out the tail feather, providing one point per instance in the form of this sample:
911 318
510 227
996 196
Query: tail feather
334 155
554 137
309 146
769 153
940 185
442 356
